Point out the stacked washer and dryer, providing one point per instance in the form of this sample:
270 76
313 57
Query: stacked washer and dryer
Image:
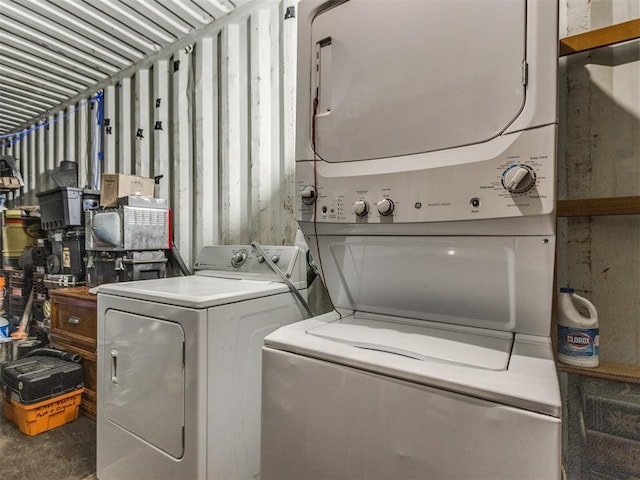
425 148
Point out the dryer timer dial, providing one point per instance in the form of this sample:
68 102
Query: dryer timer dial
308 195
238 258
518 178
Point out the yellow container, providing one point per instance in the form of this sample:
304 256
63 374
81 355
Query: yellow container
45 415
18 233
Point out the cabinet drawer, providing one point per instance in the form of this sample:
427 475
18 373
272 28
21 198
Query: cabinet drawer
74 316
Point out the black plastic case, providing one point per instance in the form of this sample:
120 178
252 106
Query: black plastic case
38 378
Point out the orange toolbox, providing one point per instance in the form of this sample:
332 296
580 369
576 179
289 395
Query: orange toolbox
43 416
41 393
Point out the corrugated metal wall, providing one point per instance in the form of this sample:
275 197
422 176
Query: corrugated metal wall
213 116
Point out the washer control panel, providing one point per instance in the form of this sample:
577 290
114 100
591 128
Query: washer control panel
246 260
511 176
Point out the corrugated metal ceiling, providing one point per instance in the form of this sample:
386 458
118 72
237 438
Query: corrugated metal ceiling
51 51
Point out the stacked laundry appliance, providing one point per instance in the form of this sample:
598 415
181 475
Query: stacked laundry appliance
425 171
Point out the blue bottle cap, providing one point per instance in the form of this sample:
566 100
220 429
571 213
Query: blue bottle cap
567 290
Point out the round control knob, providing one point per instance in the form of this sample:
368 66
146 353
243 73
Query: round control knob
361 208
238 258
274 258
385 207
308 195
518 178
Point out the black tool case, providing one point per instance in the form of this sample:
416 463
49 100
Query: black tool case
35 379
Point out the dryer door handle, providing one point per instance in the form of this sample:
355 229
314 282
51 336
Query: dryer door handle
323 76
114 366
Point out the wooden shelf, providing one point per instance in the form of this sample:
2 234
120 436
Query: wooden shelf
602 37
598 206
611 371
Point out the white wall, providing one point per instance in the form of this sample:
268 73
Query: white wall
225 147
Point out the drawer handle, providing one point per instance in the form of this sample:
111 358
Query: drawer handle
74 320
114 366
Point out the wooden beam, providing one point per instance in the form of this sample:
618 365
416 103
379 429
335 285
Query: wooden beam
602 37
611 371
598 206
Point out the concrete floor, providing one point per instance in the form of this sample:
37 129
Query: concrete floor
64 453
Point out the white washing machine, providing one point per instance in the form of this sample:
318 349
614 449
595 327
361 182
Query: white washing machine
179 363
425 151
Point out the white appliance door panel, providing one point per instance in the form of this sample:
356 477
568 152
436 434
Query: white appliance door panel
144 385
452 281
443 87
370 426
499 283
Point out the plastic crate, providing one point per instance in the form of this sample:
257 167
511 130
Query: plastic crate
45 415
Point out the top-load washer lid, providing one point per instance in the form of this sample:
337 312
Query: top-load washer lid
512 369
224 274
194 291
425 341
373 61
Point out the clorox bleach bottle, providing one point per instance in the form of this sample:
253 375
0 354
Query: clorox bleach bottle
578 336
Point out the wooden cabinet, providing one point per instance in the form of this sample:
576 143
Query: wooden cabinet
74 329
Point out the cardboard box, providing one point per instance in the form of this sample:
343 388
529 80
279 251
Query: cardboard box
10 182
117 185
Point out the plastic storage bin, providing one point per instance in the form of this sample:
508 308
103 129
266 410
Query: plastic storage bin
45 415
41 392
61 207
64 206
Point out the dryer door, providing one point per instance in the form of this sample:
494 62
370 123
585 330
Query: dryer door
143 389
447 72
